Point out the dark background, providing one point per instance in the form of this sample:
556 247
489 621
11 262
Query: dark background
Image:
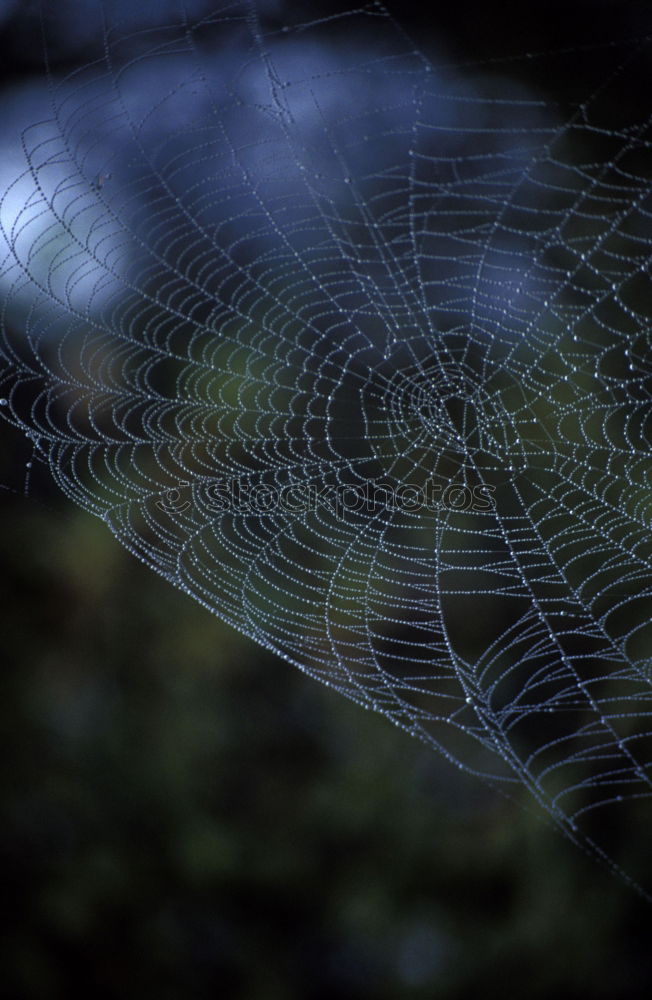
185 816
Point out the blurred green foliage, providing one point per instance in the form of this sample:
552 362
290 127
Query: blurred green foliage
185 816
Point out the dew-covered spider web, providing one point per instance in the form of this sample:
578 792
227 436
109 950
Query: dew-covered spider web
351 342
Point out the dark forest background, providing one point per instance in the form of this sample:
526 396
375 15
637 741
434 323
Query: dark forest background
186 816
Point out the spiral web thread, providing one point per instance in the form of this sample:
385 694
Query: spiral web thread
307 256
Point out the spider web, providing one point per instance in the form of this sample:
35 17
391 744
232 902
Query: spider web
253 267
